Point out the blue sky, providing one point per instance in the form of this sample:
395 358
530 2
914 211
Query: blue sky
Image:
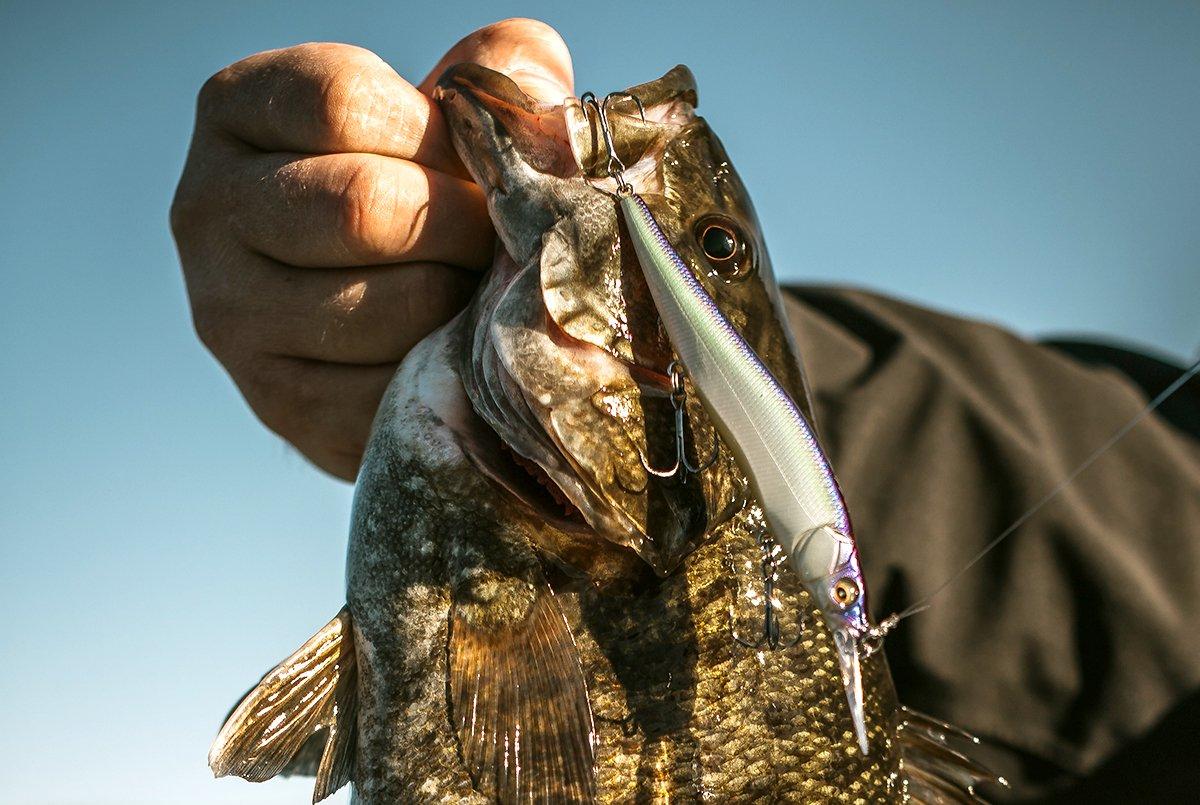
1033 164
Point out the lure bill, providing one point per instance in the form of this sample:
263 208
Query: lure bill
788 471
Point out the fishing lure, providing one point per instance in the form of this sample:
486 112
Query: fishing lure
772 441
788 471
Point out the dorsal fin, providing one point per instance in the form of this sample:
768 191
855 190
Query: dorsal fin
309 696
519 704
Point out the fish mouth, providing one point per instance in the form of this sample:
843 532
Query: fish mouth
528 484
513 451
557 525
532 161
571 429
567 359
537 131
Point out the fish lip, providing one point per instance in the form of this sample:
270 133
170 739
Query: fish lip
481 82
497 120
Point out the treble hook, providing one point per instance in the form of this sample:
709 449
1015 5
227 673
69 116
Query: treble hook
682 465
772 634
872 641
615 167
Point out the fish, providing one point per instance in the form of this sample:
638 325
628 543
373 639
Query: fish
535 611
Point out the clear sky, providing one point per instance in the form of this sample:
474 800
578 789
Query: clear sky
1034 164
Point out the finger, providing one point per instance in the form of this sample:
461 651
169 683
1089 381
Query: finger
326 98
360 209
529 52
324 409
351 316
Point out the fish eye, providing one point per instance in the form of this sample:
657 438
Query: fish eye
845 592
724 247
718 243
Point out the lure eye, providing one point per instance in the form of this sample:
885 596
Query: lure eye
724 247
845 592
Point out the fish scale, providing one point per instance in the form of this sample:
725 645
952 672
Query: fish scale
745 731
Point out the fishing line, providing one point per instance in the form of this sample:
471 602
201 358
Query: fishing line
927 601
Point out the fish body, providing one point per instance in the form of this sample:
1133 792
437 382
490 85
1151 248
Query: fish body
532 614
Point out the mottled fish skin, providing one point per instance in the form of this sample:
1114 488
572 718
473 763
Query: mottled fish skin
679 708
422 515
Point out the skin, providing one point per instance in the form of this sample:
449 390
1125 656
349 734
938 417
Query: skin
325 224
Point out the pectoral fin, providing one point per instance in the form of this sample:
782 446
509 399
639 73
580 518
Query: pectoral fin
308 700
519 704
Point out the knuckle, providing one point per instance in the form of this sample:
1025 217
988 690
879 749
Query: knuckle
205 183
215 90
283 395
190 206
220 316
182 213
330 52
212 88
214 323
367 206
524 27
515 29
347 91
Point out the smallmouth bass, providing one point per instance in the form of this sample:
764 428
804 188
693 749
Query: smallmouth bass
533 613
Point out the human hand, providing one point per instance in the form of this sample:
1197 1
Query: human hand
325 225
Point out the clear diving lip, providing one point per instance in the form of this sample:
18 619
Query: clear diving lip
847 649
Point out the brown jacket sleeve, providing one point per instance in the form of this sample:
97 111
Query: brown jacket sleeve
1081 630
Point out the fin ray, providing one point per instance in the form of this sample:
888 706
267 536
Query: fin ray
519 705
936 769
307 701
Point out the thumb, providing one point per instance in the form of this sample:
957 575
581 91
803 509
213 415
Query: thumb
529 52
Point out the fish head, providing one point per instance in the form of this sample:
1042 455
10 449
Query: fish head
568 362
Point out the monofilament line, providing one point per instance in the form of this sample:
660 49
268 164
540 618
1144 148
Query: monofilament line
1162 396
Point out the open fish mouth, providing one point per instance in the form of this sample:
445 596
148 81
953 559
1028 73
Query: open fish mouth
567 359
570 427
518 459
